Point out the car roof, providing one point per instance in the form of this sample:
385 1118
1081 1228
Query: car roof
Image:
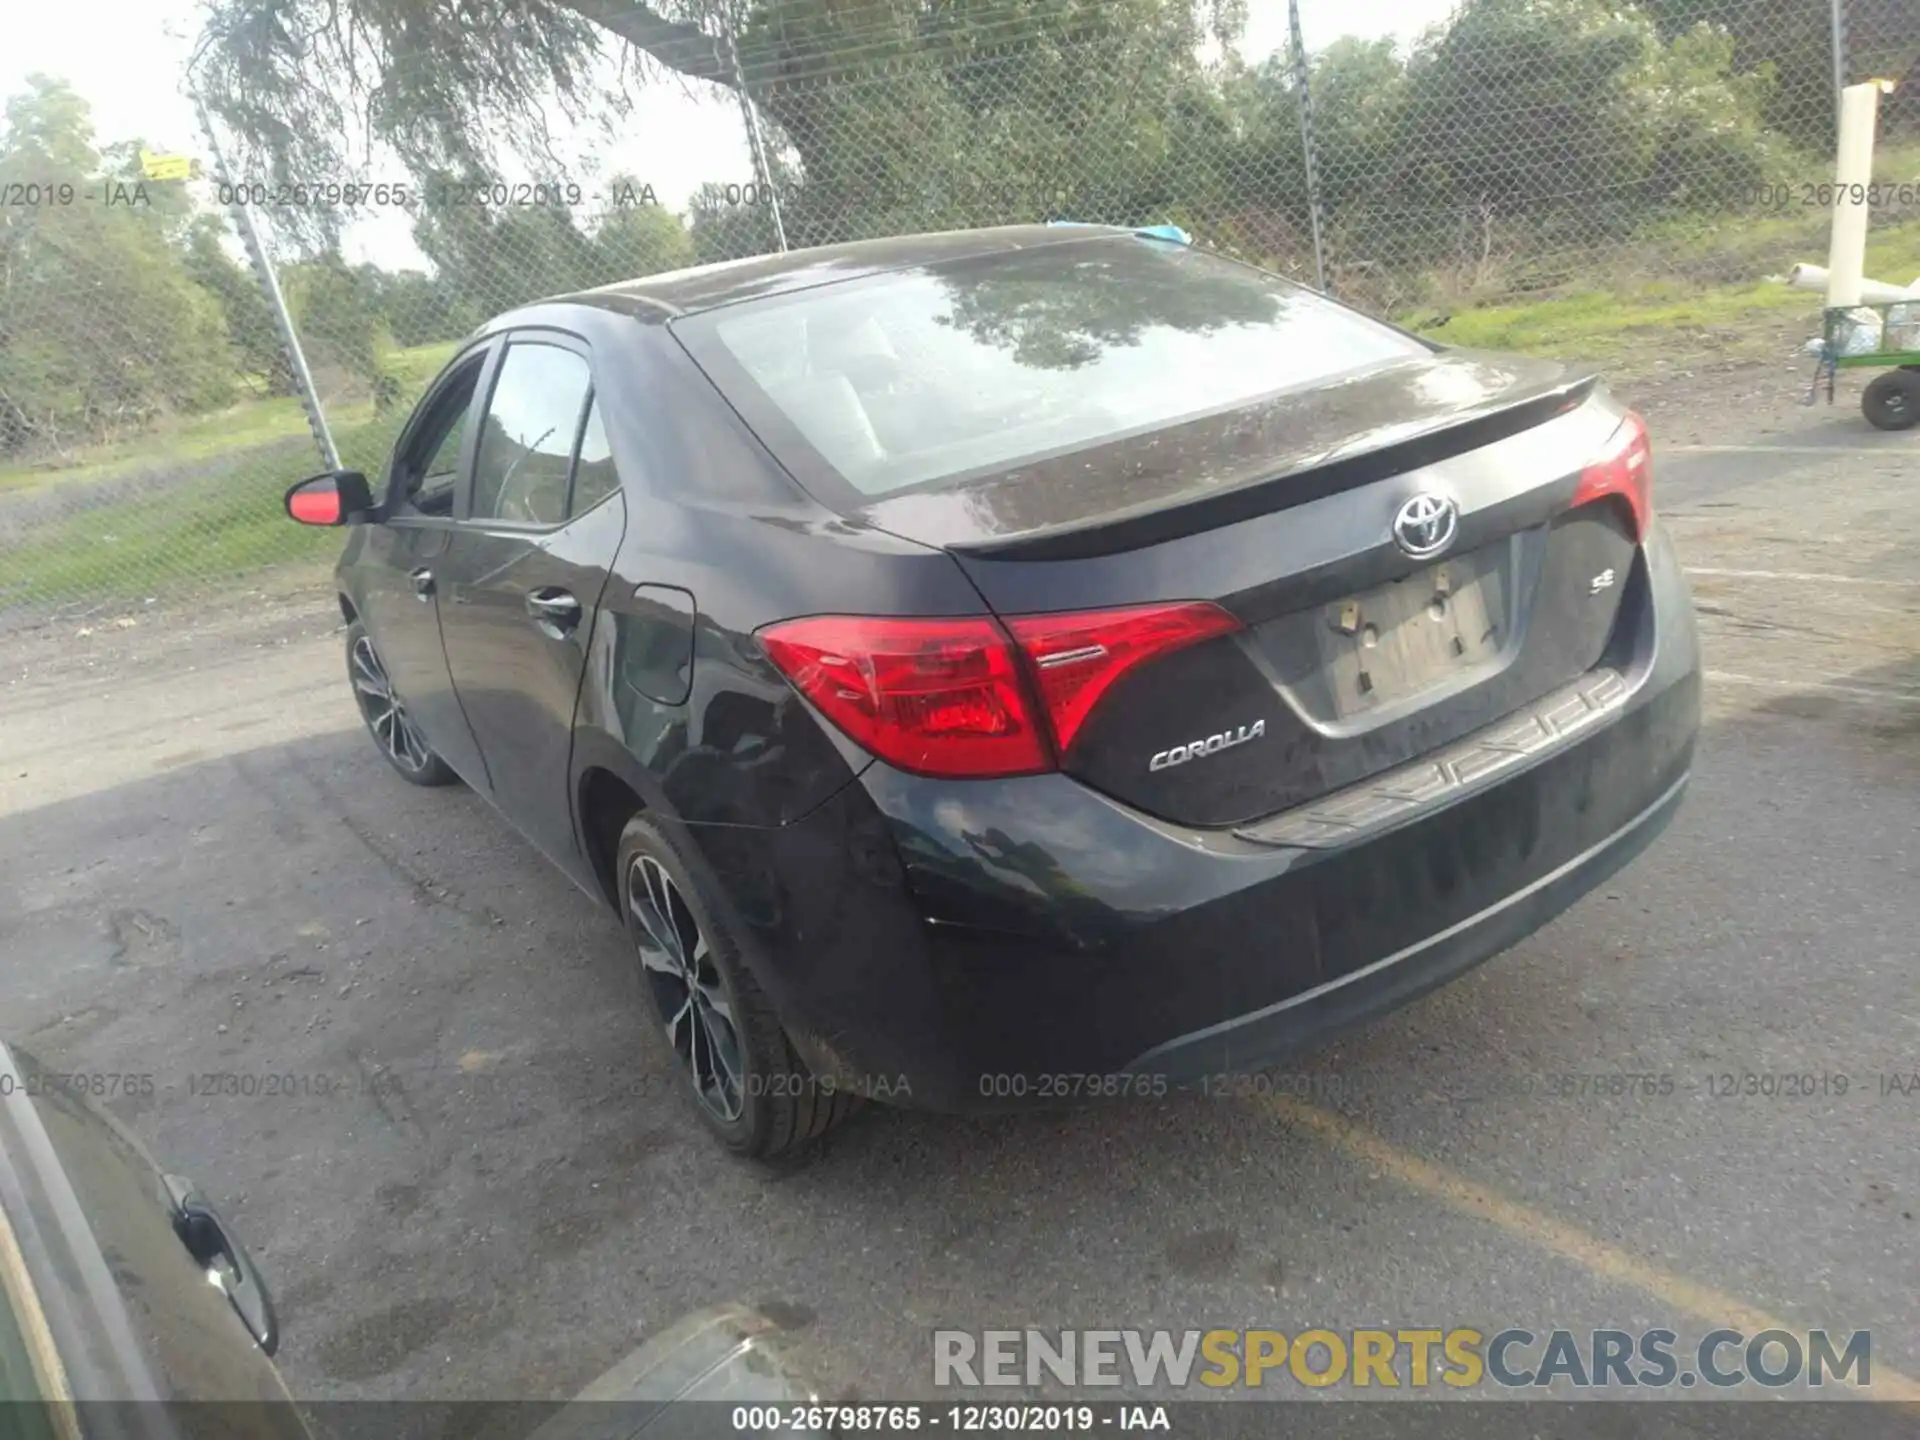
703 287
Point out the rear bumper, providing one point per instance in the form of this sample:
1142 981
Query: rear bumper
1247 1042
1002 944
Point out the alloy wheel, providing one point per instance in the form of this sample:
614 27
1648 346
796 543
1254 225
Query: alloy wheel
687 987
386 717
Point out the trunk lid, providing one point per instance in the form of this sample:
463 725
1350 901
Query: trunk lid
1355 656
1219 468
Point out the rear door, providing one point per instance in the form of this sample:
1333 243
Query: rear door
396 574
522 580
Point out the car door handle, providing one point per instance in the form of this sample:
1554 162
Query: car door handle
214 1246
553 610
422 584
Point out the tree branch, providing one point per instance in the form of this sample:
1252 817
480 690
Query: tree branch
679 46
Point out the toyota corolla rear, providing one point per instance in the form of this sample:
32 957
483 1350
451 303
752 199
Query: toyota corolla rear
1312 664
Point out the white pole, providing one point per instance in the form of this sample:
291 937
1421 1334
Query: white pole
1872 292
1852 175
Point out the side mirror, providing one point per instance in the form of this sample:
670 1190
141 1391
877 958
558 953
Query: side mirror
338 497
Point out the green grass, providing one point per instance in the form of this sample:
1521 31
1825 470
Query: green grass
222 521
1602 325
205 529
157 545
1689 288
1631 322
247 426
203 437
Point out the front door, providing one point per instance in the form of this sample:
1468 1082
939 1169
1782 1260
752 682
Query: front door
397 573
521 585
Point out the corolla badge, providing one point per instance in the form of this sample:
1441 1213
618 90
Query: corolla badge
1212 745
1426 524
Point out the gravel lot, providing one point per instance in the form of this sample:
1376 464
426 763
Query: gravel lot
493 1191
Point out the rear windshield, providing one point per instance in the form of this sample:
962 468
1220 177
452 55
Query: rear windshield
933 375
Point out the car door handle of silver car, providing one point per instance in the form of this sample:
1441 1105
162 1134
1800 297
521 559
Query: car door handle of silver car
422 584
553 609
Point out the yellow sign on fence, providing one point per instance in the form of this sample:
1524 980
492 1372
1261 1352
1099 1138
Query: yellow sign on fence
166 167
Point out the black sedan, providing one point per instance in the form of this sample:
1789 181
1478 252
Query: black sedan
1013 666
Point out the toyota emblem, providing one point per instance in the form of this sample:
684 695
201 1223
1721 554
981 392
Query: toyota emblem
1426 525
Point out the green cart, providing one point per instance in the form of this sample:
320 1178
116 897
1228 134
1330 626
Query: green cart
1886 336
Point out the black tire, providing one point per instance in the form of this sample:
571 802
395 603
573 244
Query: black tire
1892 401
400 743
748 1086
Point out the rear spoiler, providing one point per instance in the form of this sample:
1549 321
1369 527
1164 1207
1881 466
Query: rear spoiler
1315 480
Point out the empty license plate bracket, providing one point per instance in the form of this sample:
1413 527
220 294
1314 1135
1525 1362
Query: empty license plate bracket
1412 634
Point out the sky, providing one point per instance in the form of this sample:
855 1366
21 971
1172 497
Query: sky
677 141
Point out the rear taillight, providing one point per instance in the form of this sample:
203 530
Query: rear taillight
963 697
937 697
1623 468
1077 658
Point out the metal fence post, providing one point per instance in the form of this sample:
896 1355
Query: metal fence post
756 145
1303 90
1839 8
270 287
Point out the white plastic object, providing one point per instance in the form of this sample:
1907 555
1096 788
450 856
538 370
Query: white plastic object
1852 175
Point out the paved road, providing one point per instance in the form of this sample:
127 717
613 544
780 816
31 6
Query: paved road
490 1189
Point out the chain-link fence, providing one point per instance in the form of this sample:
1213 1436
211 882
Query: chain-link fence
152 410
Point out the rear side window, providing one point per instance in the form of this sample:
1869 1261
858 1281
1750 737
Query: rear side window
949 371
594 477
525 460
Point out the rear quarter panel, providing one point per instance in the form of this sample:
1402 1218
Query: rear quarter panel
720 542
